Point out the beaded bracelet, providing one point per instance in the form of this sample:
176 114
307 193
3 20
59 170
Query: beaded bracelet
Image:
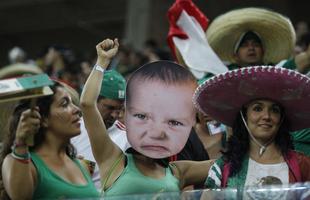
21 159
25 158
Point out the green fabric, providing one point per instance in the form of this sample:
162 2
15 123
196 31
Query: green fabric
113 85
301 140
214 178
238 180
215 174
51 186
233 66
132 181
290 64
209 75
36 81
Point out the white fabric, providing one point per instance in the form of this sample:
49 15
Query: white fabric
82 145
195 50
257 176
215 173
281 63
257 172
118 135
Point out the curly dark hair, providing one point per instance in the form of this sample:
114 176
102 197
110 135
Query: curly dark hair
238 143
44 104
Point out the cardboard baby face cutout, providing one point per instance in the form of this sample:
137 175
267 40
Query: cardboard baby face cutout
159 112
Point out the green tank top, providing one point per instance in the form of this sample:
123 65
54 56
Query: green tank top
51 186
132 181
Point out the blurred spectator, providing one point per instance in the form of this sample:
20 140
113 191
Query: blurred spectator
71 75
56 58
19 65
153 52
213 139
127 61
86 68
17 55
301 28
121 61
303 43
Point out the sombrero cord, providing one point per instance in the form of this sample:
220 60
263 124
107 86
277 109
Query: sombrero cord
262 146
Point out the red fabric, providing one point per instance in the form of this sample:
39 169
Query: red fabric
173 15
173 158
225 175
292 162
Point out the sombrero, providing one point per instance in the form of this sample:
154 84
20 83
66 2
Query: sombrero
275 30
19 69
223 95
14 70
75 97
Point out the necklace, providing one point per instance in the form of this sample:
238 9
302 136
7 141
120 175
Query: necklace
263 147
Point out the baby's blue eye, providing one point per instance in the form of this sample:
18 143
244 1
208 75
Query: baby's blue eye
175 123
140 116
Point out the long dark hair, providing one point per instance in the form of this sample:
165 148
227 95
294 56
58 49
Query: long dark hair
44 104
238 143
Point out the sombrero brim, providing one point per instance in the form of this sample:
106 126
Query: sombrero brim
19 69
223 96
276 31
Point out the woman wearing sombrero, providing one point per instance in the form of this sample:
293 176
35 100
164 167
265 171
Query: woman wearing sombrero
261 104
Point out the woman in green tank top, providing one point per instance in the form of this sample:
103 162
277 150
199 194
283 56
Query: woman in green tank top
159 115
41 162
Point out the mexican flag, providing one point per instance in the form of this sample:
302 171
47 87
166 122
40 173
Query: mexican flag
187 40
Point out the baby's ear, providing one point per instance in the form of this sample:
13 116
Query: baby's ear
194 121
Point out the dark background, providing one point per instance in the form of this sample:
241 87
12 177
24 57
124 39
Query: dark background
81 24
